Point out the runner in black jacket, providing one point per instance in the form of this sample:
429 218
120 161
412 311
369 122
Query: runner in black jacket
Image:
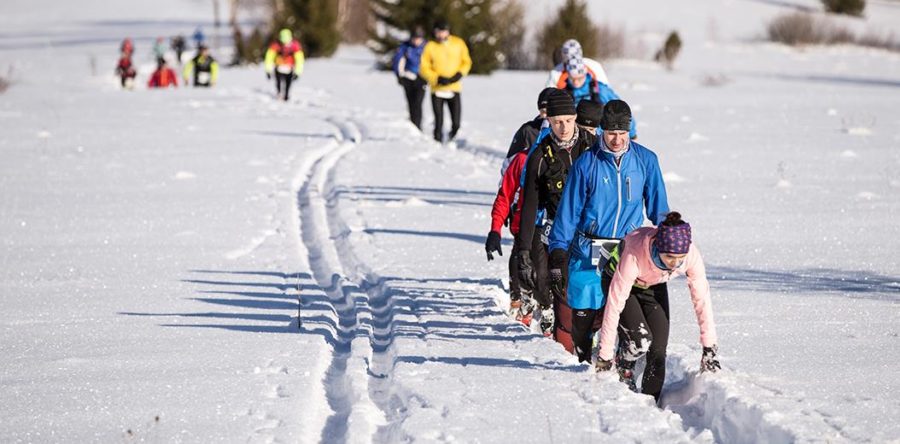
545 175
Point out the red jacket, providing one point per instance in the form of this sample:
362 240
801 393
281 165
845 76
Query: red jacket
163 78
509 194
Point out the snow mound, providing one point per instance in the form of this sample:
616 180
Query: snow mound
410 202
849 154
185 175
858 131
43 134
697 137
867 195
783 183
671 177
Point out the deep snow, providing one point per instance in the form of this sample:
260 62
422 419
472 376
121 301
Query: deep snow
155 245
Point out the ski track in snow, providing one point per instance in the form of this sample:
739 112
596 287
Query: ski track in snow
358 377
367 406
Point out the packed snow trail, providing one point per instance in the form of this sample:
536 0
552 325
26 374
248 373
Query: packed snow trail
373 214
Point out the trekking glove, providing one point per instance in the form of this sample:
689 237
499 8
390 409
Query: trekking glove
268 75
492 244
526 269
709 362
558 262
294 76
456 77
444 81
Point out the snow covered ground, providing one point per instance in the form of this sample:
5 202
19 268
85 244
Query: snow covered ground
155 245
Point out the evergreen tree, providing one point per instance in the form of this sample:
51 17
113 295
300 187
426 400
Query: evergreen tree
572 22
471 20
314 24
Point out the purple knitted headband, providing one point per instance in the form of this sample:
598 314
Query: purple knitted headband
673 239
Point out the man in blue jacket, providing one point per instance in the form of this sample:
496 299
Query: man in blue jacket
604 197
406 67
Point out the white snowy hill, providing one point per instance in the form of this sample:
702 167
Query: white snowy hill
155 244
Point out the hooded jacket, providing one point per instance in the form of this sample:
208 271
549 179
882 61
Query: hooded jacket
604 200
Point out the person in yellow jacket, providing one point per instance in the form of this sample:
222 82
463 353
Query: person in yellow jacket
444 63
284 59
204 67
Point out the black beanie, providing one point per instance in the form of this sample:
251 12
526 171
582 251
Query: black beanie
542 97
616 116
560 103
589 113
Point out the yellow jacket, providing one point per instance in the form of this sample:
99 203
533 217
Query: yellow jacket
445 60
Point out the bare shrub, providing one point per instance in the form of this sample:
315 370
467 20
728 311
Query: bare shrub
610 42
6 81
801 28
669 51
876 40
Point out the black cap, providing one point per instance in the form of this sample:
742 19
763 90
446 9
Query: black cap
589 113
542 97
441 25
417 32
560 103
616 116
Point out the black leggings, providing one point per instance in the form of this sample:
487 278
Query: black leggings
540 259
644 329
515 289
585 322
415 93
282 78
437 105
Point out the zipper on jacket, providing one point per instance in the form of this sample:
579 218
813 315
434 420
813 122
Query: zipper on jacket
618 198
628 188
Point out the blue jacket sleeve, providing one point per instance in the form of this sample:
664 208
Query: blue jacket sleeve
655 190
395 62
568 212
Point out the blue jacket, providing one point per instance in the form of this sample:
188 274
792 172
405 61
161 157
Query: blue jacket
603 200
411 53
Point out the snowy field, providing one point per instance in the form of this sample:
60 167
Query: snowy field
155 244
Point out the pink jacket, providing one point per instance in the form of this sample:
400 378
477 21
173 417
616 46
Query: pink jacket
637 267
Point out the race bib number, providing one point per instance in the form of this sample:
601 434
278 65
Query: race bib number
203 78
545 232
601 250
445 94
285 69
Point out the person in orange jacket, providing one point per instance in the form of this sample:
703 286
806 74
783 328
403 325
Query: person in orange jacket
163 77
284 59
444 63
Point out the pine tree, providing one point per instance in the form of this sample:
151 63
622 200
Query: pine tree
471 20
314 23
572 22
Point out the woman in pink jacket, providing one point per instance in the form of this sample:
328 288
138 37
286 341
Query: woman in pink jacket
640 308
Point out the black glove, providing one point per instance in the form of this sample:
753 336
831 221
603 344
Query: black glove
526 269
268 75
603 365
444 81
456 77
558 262
708 362
294 76
492 244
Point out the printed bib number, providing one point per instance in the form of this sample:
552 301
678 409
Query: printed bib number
203 78
445 94
601 250
285 69
545 232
